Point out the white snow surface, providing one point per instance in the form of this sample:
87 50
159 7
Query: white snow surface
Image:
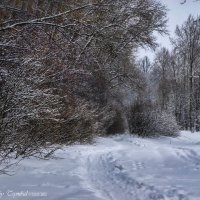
122 167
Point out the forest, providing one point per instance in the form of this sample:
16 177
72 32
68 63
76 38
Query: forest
69 72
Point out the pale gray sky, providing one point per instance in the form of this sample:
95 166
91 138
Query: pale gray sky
177 14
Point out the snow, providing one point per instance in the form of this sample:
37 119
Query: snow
122 167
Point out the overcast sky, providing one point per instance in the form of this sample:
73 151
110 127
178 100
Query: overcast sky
177 14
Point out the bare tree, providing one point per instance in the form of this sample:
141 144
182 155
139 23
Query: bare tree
188 40
145 64
177 75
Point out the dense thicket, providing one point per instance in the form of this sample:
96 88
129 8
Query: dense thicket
67 69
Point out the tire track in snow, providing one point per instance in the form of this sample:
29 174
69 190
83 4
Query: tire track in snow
189 156
115 182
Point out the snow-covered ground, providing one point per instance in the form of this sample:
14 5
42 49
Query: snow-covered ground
115 168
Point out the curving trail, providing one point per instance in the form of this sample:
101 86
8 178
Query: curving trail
140 172
116 168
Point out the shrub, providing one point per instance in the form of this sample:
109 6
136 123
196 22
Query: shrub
146 121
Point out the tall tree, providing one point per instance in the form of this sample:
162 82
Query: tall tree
188 44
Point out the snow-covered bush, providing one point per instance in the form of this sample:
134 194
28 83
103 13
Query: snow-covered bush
86 121
165 124
146 121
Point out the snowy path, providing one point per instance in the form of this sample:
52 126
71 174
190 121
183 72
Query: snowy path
117 168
